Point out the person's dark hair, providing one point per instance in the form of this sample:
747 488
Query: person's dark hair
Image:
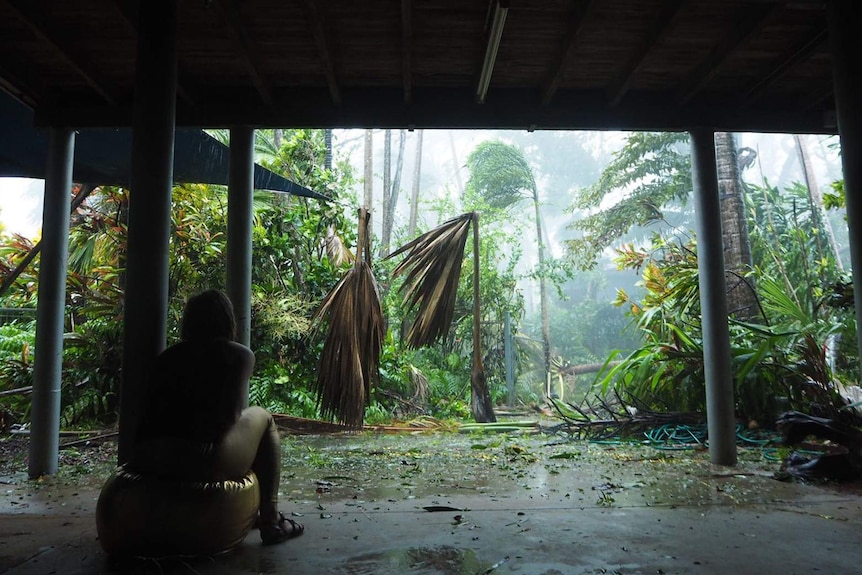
208 315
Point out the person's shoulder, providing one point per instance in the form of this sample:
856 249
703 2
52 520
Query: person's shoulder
192 349
229 348
173 352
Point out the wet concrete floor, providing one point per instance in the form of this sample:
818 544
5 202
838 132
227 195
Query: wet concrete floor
482 504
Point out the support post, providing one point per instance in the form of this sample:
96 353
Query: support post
146 289
721 421
845 42
239 228
48 355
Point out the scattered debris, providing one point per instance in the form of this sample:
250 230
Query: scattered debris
840 459
601 418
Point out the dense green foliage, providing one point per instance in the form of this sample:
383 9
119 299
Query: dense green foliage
780 358
648 177
301 248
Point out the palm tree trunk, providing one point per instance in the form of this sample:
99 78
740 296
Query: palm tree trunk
816 200
741 299
483 408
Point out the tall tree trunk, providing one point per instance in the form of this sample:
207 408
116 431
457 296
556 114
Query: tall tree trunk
816 200
543 299
414 196
741 299
414 211
369 171
483 408
278 137
387 167
392 198
387 188
457 165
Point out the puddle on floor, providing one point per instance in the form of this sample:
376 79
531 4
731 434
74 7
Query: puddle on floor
365 467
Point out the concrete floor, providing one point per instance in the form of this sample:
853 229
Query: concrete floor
595 509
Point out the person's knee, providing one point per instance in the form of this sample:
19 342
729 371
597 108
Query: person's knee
256 412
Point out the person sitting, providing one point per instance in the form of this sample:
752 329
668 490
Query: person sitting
194 425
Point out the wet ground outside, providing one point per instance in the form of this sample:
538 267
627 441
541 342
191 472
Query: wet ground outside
458 503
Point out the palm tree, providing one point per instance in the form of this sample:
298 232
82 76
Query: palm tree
501 175
432 269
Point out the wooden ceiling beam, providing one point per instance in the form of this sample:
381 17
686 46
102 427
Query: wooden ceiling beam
819 100
231 16
407 49
745 26
663 22
35 20
567 49
799 54
456 108
321 39
18 88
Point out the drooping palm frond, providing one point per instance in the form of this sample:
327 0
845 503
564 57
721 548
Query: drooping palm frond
420 383
432 268
338 253
351 352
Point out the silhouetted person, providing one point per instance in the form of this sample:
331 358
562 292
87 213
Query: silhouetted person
194 425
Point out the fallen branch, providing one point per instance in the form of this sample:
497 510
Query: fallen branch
17 391
606 421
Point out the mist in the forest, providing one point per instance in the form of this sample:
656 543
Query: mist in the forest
562 163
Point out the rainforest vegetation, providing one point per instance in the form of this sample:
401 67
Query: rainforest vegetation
565 229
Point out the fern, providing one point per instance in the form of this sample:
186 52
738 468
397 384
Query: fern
16 341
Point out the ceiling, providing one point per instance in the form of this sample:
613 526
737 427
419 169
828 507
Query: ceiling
731 65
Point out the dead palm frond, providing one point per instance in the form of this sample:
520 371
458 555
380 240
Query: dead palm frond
420 384
351 352
432 268
338 253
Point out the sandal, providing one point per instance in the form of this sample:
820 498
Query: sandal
285 529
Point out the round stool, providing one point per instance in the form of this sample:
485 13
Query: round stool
151 516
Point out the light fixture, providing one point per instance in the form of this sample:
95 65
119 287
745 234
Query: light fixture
498 21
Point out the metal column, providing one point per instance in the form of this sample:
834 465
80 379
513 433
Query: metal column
146 289
239 220
845 42
239 227
721 421
48 356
